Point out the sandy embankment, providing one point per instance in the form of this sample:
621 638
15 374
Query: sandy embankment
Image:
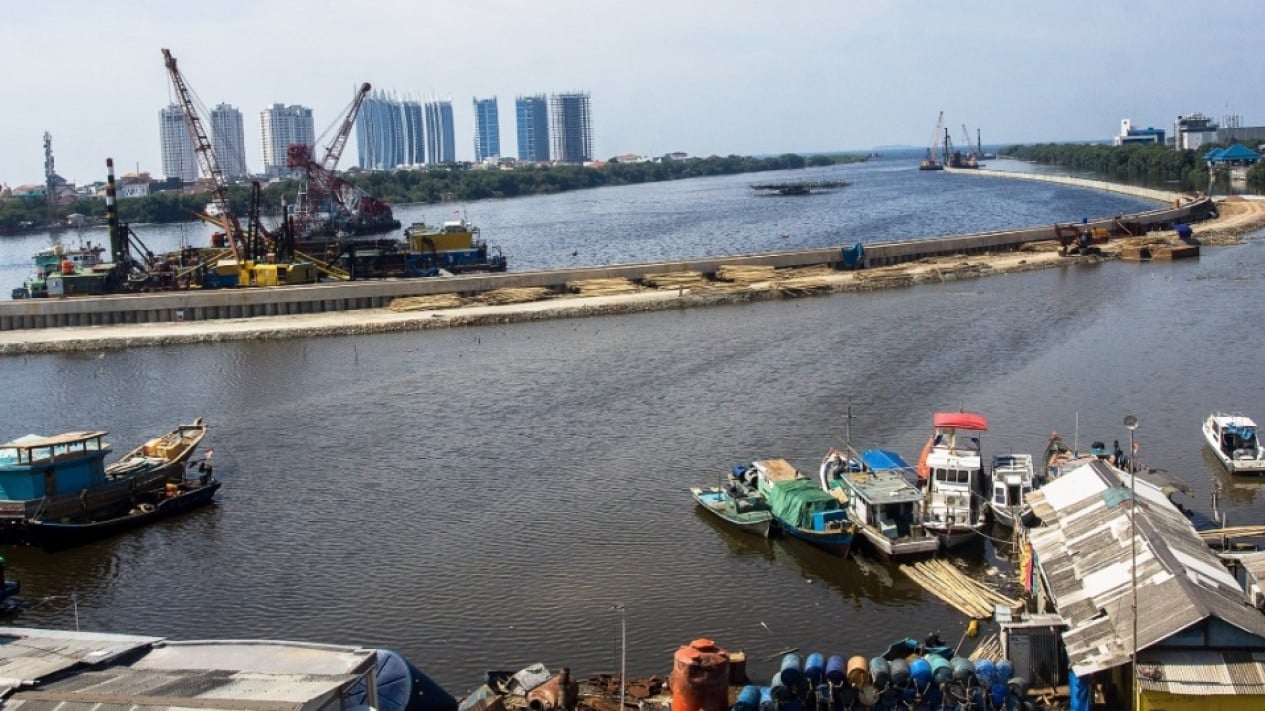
1236 217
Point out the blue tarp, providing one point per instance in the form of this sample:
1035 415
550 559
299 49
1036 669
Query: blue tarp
883 459
1079 689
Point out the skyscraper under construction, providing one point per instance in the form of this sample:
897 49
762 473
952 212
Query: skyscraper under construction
571 127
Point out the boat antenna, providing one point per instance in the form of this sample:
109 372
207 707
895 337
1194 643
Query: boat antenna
1076 435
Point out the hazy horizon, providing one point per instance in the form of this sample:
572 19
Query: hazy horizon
738 77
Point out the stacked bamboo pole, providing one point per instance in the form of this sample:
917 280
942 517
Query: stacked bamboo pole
745 274
675 280
970 597
514 295
426 303
988 648
601 287
1232 532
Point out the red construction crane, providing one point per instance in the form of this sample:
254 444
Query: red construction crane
206 155
326 191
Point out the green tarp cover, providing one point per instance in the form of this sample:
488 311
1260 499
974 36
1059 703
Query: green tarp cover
796 501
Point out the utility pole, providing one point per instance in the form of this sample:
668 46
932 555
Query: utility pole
1131 422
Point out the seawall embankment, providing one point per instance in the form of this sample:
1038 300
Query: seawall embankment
207 305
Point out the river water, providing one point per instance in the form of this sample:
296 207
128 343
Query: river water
482 498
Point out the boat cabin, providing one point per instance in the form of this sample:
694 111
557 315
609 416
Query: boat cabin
952 469
884 497
1013 480
34 467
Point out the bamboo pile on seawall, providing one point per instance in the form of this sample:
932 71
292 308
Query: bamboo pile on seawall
514 295
745 274
426 303
675 280
970 597
601 287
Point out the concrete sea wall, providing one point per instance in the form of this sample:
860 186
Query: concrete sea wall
245 303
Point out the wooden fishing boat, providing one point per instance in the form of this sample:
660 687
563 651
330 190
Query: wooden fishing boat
885 507
800 507
64 478
745 510
172 499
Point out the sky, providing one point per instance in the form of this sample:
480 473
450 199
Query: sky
700 76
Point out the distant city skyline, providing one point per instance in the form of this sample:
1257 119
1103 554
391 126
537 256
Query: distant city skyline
742 76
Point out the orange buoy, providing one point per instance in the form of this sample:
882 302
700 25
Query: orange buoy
700 677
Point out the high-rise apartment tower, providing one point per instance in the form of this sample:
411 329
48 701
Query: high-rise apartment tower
176 145
531 114
228 139
487 130
280 126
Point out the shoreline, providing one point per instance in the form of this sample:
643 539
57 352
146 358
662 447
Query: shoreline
1235 217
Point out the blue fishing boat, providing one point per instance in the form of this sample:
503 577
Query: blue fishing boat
800 507
63 481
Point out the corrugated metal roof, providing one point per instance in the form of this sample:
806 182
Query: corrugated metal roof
1202 672
47 668
1086 552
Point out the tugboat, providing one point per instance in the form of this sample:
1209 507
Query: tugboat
455 247
61 263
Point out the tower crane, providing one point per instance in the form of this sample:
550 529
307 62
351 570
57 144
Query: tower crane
206 156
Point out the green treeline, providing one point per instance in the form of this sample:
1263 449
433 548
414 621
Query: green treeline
450 183
1145 164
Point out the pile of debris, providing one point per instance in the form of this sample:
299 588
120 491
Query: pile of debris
538 689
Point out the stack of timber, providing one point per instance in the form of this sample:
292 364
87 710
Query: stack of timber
426 303
885 277
602 287
970 597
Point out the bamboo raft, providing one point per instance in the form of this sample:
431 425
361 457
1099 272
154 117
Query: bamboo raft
970 597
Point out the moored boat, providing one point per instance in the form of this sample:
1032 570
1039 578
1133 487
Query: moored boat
951 468
64 478
800 507
741 508
175 497
1012 478
62 263
885 507
1236 442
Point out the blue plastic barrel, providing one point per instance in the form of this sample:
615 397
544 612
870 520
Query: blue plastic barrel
920 672
766 699
779 689
748 699
836 669
880 673
984 672
900 672
941 672
998 693
1005 670
815 668
791 671
963 670
1018 686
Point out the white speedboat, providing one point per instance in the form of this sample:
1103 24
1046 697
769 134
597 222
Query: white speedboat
1012 480
1236 442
